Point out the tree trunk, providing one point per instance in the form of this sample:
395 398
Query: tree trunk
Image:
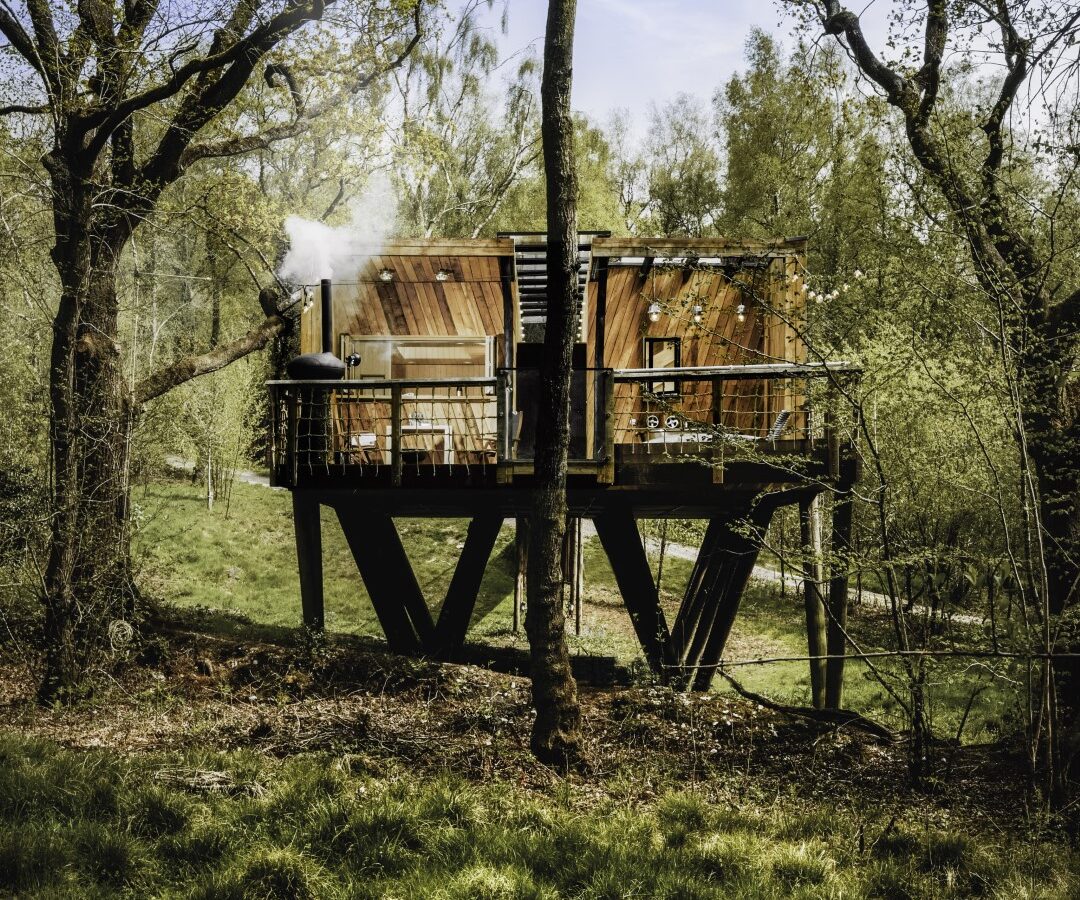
555 735
87 581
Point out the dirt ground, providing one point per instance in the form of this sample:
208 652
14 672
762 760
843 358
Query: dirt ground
186 689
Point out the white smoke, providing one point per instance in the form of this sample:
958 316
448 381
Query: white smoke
317 250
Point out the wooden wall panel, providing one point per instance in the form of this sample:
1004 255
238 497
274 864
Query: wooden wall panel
768 334
468 304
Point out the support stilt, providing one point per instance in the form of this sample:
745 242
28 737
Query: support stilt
813 577
619 535
838 598
308 529
388 576
714 592
457 608
521 547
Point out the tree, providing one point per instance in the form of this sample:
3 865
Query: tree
555 735
456 155
1024 261
684 175
135 96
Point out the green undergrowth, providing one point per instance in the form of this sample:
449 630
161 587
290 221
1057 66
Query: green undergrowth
240 825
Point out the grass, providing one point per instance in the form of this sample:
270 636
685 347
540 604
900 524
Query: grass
98 824
245 563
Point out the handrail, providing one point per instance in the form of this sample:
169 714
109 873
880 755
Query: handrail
761 370
365 383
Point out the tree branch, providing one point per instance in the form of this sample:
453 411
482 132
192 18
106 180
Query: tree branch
236 146
929 77
22 108
191 367
245 51
11 28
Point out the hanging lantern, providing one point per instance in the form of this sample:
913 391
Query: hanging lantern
740 312
654 312
696 313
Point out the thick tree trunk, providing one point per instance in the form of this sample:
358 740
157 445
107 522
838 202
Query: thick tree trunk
1052 426
555 736
87 581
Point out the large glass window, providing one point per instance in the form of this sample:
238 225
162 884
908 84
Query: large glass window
663 353
405 358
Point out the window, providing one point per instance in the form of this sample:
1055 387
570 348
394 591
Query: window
663 353
405 358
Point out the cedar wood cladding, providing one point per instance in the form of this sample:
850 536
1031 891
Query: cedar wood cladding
468 304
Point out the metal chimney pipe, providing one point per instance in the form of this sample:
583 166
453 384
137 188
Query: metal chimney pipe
327 316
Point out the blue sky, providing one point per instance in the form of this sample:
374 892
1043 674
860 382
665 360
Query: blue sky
630 52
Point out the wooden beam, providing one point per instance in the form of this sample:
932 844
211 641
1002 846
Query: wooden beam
439 247
510 312
695 599
838 598
737 554
700 247
457 608
816 628
621 540
308 528
388 577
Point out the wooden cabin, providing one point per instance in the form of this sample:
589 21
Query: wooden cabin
692 396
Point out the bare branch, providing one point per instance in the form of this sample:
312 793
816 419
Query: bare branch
191 367
237 146
244 52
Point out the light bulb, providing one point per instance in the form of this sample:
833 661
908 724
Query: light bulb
696 313
386 275
654 312
740 312
442 275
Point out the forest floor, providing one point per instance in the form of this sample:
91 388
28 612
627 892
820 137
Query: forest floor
224 754
252 768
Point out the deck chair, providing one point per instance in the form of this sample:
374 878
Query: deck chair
778 426
773 434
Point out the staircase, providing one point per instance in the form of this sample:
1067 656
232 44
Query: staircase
531 258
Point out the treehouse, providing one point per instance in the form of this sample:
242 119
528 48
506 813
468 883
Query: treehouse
692 397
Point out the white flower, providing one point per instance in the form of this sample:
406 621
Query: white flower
858 274
844 288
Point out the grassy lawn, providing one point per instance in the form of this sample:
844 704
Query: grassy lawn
243 825
244 562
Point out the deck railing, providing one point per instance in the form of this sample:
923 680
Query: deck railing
679 412
362 426
396 428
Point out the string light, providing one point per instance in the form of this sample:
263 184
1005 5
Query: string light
740 312
696 313
386 275
442 275
654 312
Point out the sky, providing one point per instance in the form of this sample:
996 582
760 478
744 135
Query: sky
630 52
